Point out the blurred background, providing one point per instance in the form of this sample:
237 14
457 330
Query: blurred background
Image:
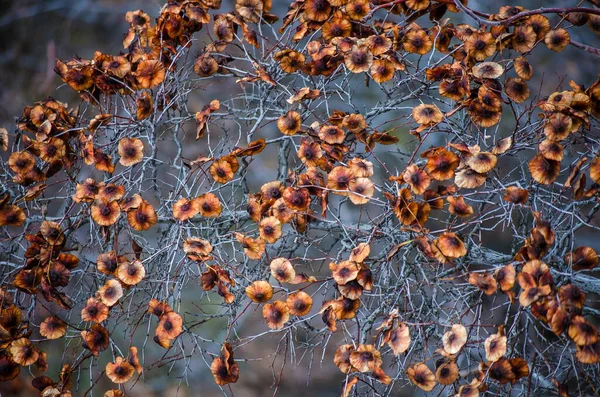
34 33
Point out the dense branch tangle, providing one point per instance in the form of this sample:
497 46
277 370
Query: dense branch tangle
310 203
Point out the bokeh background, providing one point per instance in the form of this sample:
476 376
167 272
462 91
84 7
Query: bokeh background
34 33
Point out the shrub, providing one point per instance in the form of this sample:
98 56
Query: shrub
373 180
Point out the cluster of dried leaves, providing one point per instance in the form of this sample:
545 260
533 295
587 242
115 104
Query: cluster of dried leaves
384 253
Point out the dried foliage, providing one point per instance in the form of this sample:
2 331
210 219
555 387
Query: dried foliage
385 253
